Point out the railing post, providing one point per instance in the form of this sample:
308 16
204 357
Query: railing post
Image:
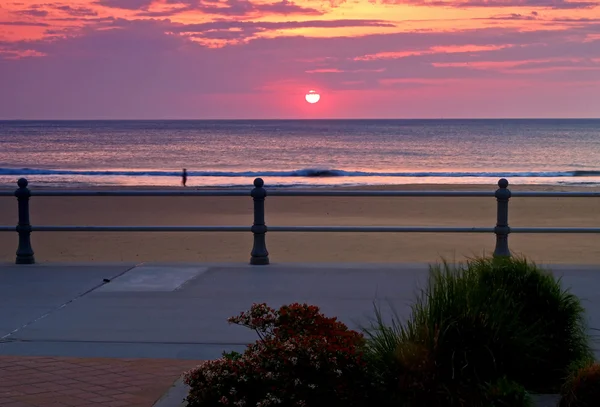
260 255
502 229
24 251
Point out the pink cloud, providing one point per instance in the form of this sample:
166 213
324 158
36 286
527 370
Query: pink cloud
335 70
216 7
551 4
24 23
126 4
228 24
453 49
18 54
77 11
33 12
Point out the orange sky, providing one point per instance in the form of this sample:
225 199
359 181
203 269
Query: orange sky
235 58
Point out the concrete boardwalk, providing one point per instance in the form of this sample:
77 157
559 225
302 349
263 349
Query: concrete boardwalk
179 311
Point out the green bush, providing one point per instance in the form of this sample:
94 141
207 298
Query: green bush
583 388
506 393
552 313
479 322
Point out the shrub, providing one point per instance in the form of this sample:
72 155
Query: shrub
556 315
583 388
479 322
302 358
506 393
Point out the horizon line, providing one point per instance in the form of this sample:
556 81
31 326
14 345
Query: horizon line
308 119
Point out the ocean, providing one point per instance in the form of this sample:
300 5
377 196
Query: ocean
300 152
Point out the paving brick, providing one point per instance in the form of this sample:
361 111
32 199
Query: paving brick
82 382
15 404
118 404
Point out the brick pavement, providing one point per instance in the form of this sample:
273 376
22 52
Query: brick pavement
79 382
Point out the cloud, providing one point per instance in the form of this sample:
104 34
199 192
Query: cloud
283 7
552 4
24 23
577 20
246 7
526 66
126 4
163 13
281 25
221 32
335 70
33 12
214 7
13 54
464 48
77 11
513 16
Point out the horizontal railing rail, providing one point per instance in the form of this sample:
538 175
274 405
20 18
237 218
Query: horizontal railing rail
319 229
371 229
133 193
259 253
316 192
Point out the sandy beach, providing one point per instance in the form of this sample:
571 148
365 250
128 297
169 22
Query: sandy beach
305 247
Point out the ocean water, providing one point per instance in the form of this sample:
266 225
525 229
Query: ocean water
299 152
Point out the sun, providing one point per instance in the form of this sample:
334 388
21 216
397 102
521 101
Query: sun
312 97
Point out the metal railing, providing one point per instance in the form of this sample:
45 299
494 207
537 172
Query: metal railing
259 253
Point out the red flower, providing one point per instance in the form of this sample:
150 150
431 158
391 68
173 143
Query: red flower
301 358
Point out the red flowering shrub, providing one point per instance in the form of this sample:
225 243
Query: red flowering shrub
583 389
301 359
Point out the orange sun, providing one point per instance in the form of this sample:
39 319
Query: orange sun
312 97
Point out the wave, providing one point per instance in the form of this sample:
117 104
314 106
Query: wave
307 172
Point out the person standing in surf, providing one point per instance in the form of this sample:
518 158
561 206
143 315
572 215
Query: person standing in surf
184 177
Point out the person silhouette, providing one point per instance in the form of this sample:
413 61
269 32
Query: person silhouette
184 177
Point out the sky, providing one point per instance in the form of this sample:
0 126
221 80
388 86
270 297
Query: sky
256 59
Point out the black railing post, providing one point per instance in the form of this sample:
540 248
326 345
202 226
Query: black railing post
24 251
260 255
502 229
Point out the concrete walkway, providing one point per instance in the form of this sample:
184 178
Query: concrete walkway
179 311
